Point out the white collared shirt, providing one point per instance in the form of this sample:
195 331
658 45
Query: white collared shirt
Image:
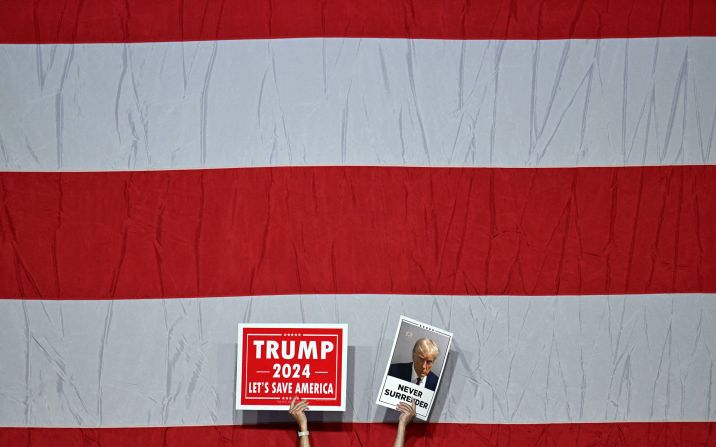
414 377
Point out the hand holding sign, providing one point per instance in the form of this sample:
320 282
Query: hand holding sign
296 409
407 413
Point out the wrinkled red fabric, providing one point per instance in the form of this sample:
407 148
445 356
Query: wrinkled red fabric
446 231
365 435
78 21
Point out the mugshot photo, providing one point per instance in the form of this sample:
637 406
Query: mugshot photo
419 354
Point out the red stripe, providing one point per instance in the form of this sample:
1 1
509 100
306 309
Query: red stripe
74 21
424 435
230 232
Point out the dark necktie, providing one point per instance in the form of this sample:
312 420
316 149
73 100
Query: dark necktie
418 380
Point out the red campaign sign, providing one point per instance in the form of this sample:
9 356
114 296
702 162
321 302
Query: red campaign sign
277 362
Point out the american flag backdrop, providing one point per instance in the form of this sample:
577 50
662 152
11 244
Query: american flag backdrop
536 177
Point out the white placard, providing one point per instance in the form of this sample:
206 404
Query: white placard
419 352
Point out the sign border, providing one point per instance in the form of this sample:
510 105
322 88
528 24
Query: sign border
239 352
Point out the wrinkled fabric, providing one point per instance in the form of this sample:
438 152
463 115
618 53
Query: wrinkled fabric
384 102
359 435
237 232
524 359
536 177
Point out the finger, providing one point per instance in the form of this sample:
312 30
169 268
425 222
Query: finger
301 406
293 402
403 407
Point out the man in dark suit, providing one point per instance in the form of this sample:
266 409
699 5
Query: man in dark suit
425 351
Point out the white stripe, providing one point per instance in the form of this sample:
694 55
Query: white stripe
514 359
396 102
